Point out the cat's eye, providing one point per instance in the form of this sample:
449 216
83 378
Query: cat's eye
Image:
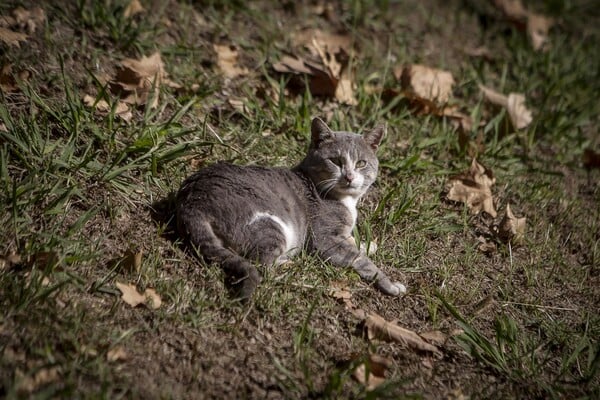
361 164
337 161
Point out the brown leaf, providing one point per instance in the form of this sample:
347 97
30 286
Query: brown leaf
152 299
227 56
473 188
538 27
29 19
9 260
12 38
134 7
513 9
512 228
121 110
327 67
132 260
29 384
514 103
427 83
340 291
377 327
131 296
372 372
116 354
332 43
437 338
139 81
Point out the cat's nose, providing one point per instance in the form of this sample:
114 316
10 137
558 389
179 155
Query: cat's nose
349 178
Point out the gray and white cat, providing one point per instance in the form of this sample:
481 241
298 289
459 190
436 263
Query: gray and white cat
239 216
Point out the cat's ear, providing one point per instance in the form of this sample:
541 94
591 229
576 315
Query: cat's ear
374 136
319 131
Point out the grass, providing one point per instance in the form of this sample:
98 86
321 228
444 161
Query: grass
79 190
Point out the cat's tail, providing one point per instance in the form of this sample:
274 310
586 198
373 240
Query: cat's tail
241 276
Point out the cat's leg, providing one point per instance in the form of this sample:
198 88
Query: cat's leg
344 253
241 276
267 243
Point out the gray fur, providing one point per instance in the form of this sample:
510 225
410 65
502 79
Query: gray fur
238 216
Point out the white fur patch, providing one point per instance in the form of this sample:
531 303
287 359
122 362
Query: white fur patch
290 234
350 203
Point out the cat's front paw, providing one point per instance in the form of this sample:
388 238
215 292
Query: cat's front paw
391 288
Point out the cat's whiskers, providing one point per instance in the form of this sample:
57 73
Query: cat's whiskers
326 185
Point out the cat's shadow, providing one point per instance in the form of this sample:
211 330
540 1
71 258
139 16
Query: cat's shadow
164 217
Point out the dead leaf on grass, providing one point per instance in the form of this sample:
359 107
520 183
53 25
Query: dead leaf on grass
512 228
138 81
134 7
8 81
12 38
132 260
121 109
426 83
437 338
29 19
227 60
9 260
131 296
378 327
520 116
327 65
29 384
372 372
116 354
473 188
537 25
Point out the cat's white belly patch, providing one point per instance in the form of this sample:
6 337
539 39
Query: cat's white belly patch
350 203
291 237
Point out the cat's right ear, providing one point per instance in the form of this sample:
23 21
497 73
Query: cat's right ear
319 132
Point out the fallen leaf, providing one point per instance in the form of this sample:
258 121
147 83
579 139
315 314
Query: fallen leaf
486 246
134 7
29 384
538 27
340 291
371 373
116 354
378 327
227 60
513 9
29 19
131 296
121 109
12 38
9 260
152 299
139 81
333 43
239 105
132 260
327 65
512 228
473 188
437 338
514 103
426 83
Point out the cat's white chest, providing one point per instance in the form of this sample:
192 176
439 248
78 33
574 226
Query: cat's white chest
350 203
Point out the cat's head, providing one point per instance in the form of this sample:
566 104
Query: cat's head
342 163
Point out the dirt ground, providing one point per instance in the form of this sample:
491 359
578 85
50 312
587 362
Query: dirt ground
295 340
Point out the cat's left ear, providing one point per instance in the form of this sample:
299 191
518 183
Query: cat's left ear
319 132
374 136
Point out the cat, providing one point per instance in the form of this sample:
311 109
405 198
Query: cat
238 216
